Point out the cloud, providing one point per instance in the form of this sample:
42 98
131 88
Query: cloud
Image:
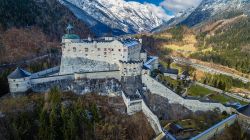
158 11
179 5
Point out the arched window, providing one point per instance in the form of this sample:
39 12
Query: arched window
74 49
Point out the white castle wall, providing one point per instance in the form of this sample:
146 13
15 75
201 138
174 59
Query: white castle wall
52 78
98 75
133 106
194 105
45 72
131 69
152 118
71 65
19 85
111 51
144 57
216 129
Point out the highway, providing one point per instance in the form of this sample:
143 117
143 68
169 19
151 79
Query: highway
207 69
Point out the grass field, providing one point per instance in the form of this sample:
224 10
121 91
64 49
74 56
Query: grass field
199 91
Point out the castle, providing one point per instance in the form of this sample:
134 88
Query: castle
119 58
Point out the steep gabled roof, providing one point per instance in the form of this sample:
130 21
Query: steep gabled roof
19 73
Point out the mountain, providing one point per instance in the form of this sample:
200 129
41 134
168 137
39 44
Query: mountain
208 10
180 17
217 9
128 17
97 27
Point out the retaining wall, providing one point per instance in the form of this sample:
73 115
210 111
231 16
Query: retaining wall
45 72
152 118
52 78
99 75
195 105
216 129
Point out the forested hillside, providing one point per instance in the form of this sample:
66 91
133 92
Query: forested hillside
32 27
59 116
230 46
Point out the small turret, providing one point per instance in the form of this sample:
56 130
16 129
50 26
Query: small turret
69 28
69 36
89 38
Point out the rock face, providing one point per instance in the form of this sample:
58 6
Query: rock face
83 86
164 110
129 17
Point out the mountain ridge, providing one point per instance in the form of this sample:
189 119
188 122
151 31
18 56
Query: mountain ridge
207 11
129 17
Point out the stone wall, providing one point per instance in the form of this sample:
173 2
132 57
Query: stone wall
52 78
81 86
45 72
131 68
71 65
99 75
152 118
19 85
195 105
216 129
133 106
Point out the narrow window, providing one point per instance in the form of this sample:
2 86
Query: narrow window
86 49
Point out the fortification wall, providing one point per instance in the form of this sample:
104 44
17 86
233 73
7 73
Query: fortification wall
131 69
99 75
52 78
71 65
133 106
216 129
152 118
45 72
194 105
19 85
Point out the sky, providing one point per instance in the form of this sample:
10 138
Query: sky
172 7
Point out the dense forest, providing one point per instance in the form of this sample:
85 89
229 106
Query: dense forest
68 116
230 46
223 82
31 27
49 15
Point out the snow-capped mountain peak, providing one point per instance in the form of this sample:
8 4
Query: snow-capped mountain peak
129 16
